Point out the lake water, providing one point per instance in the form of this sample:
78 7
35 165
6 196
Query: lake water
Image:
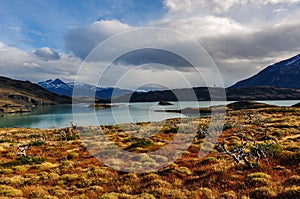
80 114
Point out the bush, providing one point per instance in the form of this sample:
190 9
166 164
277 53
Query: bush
23 160
141 158
161 192
257 182
5 140
37 143
209 160
15 181
71 137
47 166
204 193
274 150
70 177
258 175
156 183
160 159
72 155
9 191
294 180
35 136
114 195
290 193
145 196
263 193
141 143
289 158
228 195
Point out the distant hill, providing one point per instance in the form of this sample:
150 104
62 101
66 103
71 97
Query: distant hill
296 105
16 93
59 87
202 94
285 74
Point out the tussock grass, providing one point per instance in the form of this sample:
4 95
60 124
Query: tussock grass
63 167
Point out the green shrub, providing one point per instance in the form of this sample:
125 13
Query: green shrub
35 136
37 143
209 160
71 137
23 160
274 150
5 140
72 155
141 143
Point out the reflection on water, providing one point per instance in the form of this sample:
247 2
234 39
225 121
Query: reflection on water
62 115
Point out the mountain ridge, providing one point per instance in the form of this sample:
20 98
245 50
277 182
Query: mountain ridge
17 93
203 94
283 74
60 87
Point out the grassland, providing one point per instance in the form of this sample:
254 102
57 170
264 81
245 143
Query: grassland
59 165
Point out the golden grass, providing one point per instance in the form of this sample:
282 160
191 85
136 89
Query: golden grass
69 170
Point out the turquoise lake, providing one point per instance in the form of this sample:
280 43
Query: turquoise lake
60 116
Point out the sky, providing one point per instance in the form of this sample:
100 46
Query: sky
42 40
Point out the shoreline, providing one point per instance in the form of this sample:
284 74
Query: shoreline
195 112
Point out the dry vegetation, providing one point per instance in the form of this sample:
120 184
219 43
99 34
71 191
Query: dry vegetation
58 165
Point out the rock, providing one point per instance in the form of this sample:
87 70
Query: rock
296 105
164 103
102 106
248 105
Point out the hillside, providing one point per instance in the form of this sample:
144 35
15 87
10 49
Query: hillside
284 74
62 88
61 164
202 94
16 93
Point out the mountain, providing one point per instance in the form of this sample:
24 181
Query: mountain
284 74
59 87
202 94
16 93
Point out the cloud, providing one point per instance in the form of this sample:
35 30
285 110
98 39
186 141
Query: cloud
82 40
200 6
154 56
203 7
272 41
25 65
46 54
242 37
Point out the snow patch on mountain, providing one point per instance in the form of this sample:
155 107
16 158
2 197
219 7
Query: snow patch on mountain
62 88
293 60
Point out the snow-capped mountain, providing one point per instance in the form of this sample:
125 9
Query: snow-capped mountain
284 74
62 88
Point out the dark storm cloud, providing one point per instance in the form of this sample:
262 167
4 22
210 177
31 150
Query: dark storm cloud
151 55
